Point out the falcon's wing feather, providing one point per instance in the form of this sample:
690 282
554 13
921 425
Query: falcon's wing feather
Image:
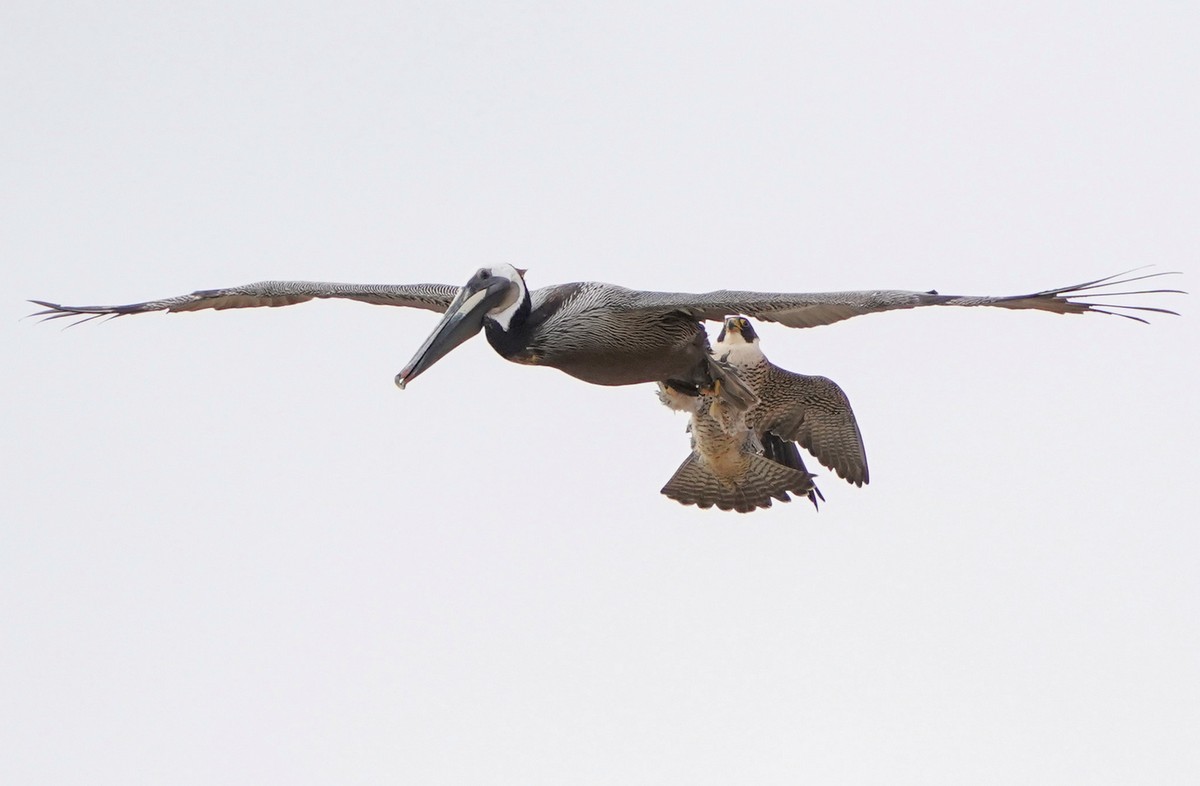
819 417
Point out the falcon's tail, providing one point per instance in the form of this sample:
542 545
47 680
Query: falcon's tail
694 483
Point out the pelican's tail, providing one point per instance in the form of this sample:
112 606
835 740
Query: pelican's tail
695 484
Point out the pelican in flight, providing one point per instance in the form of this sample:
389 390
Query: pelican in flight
610 335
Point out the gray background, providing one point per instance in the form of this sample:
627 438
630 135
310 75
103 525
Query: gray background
233 552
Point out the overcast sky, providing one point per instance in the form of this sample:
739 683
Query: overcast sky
234 552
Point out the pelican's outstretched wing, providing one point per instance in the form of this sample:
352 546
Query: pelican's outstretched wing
433 297
823 308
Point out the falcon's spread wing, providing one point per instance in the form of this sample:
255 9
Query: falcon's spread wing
815 412
432 297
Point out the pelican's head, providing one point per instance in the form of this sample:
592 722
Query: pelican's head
492 293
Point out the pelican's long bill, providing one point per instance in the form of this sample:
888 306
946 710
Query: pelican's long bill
463 319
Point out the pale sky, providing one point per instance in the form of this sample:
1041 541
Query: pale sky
233 552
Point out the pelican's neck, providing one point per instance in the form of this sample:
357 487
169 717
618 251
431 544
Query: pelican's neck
515 313
516 305
506 328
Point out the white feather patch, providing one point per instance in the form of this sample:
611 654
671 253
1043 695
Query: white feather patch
503 316
738 352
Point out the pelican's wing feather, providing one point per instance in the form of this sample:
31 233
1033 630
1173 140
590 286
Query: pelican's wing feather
432 297
801 310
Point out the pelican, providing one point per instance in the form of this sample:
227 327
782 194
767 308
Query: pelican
726 467
794 408
607 334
